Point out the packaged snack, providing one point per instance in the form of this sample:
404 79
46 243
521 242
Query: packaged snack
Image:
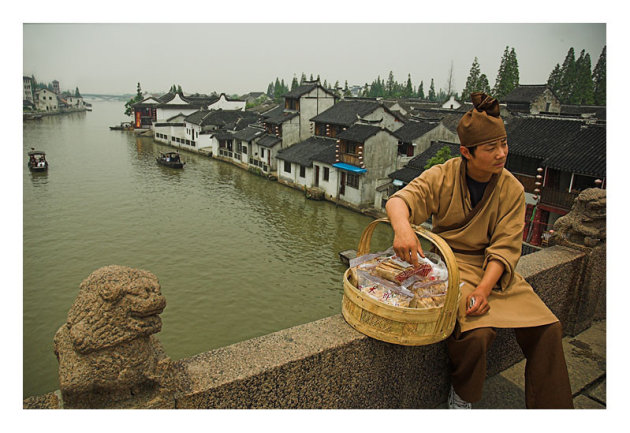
388 279
383 290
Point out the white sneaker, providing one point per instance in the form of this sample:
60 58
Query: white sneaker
456 402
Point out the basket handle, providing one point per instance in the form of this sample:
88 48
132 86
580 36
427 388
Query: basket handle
443 247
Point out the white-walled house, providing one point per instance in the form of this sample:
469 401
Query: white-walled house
416 136
346 113
172 132
226 103
45 100
262 151
451 104
308 100
296 166
172 104
365 154
211 130
75 102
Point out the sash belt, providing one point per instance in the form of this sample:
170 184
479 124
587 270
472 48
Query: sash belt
468 252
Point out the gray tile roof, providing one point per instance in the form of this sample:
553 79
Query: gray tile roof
359 133
305 88
415 166
586 154
269 140
279 117
306 151
578 110
248 133
228 119
567 145
414 129
347 112
525 93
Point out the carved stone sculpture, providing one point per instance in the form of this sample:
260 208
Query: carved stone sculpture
106 350
585 224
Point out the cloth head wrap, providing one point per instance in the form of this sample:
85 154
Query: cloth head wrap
482 124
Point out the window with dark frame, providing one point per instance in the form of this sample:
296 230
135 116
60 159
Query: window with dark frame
287 167
353 180
302 171
326 174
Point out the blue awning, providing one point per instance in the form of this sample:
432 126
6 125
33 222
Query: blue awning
348 167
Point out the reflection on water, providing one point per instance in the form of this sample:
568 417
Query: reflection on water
237 255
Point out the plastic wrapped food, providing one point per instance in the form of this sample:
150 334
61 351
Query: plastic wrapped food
383 290
393 281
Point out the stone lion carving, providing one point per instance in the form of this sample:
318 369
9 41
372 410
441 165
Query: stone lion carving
106 349
585 225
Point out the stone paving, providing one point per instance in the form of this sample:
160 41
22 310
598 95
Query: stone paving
586 360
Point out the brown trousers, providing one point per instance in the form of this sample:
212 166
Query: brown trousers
546 377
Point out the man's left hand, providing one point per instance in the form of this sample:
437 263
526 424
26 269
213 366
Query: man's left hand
480 306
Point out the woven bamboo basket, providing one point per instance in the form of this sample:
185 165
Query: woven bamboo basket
401 325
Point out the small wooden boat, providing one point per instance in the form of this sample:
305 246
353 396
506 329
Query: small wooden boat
124 126
37 161
170 159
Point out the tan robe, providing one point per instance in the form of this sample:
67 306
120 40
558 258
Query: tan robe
493 230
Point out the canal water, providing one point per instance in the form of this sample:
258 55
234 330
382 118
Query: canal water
237 255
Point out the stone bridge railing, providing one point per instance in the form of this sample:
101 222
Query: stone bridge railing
106 361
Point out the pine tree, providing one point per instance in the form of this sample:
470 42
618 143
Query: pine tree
311 77
302 78
389 87
421 90
554 79
78 95
294 83
179 90
508 75
138 91
483 85
567 77
583 89
336 86
325 84
432 96
346 90
472 82
599 80
408 91
498 84
270 90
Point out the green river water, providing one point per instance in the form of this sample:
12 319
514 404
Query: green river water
237 256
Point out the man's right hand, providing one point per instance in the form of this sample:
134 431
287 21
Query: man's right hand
407 245
406 242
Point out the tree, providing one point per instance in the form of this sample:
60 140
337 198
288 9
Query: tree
129 104
390 86
302 78
421 90
270 90
179 90
483 85
442 155
472 82
583 89
508 75
294 83
346 90
408 90
554 79
78 95
599 80
567 77
432 96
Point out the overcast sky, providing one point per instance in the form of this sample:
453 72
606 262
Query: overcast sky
239 58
